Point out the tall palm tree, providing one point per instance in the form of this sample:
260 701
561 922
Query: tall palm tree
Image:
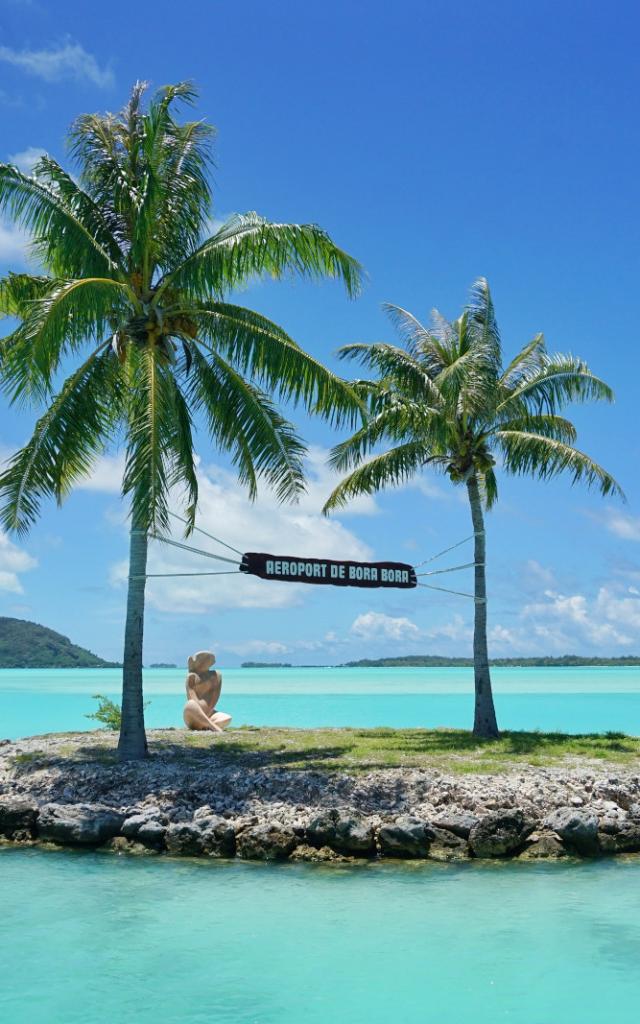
131 305
445 400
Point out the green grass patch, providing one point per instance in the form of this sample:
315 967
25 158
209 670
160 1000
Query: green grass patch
351 750
449 750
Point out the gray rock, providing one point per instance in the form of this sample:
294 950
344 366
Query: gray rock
146 830
498 834
404 837
120 845
78 824
578 829
18 818
447 846
344 831
218 837
266 842
543 846
152 834
460 824
184 839
624 839
324 855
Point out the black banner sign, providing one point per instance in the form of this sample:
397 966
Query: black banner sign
324 570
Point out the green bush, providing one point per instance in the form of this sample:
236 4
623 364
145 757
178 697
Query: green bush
109 714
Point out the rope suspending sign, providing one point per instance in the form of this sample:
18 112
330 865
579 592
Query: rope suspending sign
322 571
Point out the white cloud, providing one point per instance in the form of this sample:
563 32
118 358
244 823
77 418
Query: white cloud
13 243
622 525
106 475
539 574
26 160
568 620
426 484
68 60
378 626
13 561
322 481
265 525
458 630
257 647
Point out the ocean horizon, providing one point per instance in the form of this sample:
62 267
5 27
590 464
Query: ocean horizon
560 699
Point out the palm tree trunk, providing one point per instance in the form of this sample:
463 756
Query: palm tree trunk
132 745
484 720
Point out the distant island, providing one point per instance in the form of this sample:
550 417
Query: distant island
162 664
440 661
267 664
26 644
435 661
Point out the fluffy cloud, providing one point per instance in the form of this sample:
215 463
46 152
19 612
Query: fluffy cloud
622 525
106 475
13 244
265 525
538 574
13 562
27 158
378 626
458 630
570 621
270 647
69 60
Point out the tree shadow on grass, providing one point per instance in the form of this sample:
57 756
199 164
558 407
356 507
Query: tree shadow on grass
232 753
440 742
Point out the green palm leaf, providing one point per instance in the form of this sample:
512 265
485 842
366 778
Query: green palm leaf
546 457
248 247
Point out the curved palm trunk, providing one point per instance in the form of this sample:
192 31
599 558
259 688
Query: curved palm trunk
132 745
484 720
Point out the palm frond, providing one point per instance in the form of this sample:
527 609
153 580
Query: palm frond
484 326
61 321
411 331
540 423
546 457
399 365
389 469
43 213
248 247
244 420
527 361
18 291
182 473
558 380
488 485
73 431
149 441
96 220
265 353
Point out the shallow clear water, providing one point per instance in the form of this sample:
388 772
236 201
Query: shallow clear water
564 699
94 939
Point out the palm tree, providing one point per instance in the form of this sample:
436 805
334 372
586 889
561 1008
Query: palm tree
445 400
131 304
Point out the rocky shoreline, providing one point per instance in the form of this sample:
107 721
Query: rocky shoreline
68 790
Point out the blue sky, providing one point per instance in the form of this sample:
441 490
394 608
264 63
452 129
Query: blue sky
436 142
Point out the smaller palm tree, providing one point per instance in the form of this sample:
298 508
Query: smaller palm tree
445 400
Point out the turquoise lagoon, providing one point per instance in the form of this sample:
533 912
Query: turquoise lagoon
565 699
90 938
96 939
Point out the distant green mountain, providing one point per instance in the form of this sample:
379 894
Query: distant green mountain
436 661
26 644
